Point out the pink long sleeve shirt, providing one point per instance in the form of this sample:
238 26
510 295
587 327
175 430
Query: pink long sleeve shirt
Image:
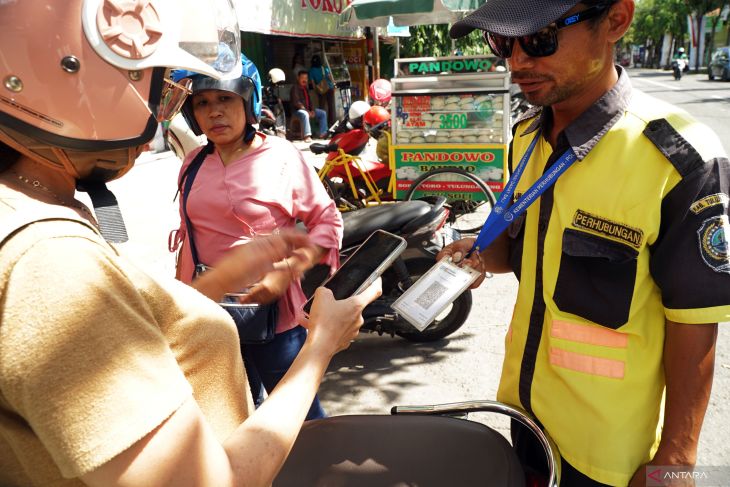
269 188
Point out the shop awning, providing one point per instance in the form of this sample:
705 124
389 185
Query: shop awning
302 18
377 13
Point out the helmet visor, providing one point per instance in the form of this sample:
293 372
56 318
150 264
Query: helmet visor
172 98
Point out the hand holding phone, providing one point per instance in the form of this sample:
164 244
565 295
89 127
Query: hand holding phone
335 324
365 265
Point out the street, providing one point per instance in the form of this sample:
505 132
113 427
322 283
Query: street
707 101
379 372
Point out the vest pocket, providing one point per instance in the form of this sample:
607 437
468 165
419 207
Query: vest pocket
596 278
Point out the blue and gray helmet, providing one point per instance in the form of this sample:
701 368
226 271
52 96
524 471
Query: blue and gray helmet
247 86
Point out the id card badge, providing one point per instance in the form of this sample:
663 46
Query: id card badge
421 303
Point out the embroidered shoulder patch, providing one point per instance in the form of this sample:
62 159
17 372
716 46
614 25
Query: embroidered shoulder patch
713 243
708 201
603 226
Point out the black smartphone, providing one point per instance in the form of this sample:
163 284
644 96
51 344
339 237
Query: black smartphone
365 265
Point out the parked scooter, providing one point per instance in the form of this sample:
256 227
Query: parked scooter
351 121
273 115
353 141
422 225
180 137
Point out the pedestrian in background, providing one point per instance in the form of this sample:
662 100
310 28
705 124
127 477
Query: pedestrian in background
321 76
302 108
297 64
249 185
622 260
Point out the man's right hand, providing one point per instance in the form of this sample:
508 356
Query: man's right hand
457 252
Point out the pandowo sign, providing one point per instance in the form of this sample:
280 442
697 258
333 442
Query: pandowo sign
487 162
449 66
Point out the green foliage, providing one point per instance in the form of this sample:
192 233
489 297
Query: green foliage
654 18
434 41
699 8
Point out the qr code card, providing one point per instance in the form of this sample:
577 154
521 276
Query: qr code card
433 292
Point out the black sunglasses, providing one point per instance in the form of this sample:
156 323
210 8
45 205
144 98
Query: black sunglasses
543 42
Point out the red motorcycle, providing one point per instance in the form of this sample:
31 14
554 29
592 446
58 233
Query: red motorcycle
355 182
352 142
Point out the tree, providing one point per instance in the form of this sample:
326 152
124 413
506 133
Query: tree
715 20
652 20
434 41
700 8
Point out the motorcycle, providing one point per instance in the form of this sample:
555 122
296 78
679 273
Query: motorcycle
352 137
678 67
351 120
428 446
273 115
180 137
422 225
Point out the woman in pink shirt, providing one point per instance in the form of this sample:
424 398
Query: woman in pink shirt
249 185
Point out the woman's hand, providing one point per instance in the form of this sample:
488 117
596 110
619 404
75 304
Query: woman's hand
334 324
270 288
246 264
275 283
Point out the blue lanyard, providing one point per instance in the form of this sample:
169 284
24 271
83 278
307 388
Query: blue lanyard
501 216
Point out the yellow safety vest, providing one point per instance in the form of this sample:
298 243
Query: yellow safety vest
594 256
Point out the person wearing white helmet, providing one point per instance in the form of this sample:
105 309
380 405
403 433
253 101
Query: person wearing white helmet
107 375
357 110
680 54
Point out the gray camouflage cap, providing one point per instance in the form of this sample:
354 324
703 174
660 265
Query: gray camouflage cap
512 18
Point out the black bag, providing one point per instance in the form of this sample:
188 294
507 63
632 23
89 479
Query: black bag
256 323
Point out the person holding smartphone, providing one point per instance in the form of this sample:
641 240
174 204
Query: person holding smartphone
250 184
108 376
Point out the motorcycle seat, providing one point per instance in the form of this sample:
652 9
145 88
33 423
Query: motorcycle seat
390 217
389 451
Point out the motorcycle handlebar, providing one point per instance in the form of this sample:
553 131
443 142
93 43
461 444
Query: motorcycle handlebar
318 148
551 451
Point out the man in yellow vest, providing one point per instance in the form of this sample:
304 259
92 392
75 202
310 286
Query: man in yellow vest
615 224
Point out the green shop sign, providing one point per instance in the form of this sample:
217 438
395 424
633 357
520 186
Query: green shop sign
487 163
453 66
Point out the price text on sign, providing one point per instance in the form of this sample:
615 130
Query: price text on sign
453 121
